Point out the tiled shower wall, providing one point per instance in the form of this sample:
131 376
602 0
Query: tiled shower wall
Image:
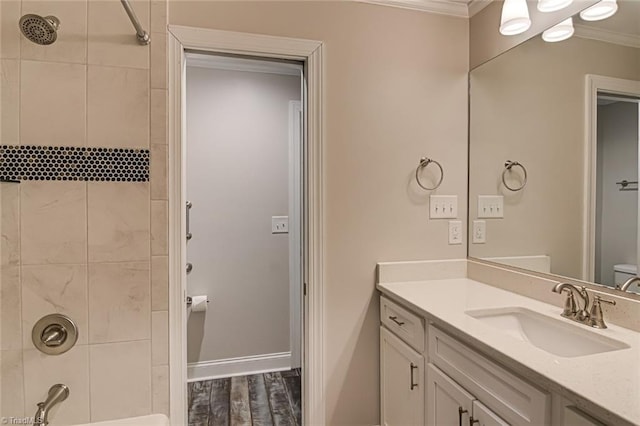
95 251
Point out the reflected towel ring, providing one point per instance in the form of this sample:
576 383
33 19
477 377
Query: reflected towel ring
507 167
424 162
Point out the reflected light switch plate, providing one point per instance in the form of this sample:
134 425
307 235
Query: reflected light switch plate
279 224
490 206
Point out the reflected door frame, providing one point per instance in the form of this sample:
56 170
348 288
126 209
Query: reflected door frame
309 52
593 85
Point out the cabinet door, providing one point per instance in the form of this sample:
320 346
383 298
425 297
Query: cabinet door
482 416
447 403
401 382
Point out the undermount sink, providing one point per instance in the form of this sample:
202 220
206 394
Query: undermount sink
556 336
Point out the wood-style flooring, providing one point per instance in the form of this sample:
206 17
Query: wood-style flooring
269 399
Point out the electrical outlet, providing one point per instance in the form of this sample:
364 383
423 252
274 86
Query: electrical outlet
490 206
279 224
455 232
479 232
443 206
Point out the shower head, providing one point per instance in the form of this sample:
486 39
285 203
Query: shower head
38 29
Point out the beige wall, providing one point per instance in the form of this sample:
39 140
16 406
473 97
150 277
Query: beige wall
395 90
528 105
237 179
94 251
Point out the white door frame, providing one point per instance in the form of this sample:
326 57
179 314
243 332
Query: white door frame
595 84
310 52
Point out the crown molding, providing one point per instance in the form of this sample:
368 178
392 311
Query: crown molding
599 34
476 6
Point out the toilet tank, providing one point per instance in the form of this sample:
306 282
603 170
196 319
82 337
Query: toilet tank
623 272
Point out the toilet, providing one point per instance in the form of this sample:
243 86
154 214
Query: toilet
623 272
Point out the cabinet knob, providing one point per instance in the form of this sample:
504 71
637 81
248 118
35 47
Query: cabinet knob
473 421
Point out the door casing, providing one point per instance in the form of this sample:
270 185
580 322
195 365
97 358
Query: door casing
310 53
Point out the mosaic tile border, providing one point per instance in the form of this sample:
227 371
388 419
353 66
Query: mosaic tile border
70 163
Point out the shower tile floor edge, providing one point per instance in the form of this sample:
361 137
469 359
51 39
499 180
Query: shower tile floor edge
257 400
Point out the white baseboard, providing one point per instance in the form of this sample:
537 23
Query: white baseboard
207 370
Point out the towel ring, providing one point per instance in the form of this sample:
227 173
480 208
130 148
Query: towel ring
424 162
507 167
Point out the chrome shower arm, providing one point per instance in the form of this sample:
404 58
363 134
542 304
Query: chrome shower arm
141 34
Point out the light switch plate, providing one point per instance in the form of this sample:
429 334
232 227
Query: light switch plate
455 232
279 224
479 235
490 206
443 206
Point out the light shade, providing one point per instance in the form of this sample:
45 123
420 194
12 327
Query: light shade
552 5
600 10
515 17
559 32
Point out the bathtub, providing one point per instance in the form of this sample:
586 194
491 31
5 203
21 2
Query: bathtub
151 420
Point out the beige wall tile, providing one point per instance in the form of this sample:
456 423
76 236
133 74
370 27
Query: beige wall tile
52 103
158 16
70 368
159 116
10 302
48 289
159 227
10 224
71 44
159 69
112 38
160 338
159 173
54 222
120 380
9 32
118 221
160 385
159 283
10 111
119 302
12 384
118 107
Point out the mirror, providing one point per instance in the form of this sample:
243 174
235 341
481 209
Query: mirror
553 165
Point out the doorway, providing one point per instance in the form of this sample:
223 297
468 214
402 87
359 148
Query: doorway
243 238
617 240
181 41
612 156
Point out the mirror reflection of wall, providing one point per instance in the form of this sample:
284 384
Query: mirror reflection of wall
528 105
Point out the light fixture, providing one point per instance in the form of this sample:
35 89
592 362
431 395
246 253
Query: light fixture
515 17
600 10
552 5
559 32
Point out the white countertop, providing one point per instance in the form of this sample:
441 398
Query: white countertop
608 380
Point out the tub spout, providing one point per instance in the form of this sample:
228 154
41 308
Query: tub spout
57 394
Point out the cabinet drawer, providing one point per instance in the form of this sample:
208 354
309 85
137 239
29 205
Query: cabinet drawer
513 399
407 326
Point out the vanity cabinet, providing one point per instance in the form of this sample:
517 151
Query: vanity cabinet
449 404
429 377
402 389
402 382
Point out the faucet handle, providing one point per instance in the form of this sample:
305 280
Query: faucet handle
570 308
600 299
596 317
